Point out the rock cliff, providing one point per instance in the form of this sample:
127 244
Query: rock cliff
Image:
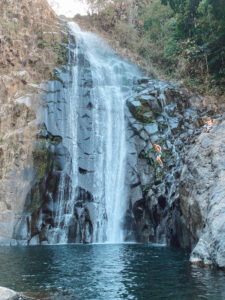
31 46
181 204
160 112
202 194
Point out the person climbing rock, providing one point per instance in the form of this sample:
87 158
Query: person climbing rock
208 125
158 150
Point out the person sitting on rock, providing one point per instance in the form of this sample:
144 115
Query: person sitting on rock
158 150
208 125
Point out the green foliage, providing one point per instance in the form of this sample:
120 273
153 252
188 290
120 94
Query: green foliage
159 172
41 156
145 189
171 50
185 38
54 75
59 49
143 155
41 42
201 23
1 138
139 114
36 201
156 27
166 153
193 82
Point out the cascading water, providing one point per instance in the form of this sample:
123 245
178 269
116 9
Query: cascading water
91 204
98 181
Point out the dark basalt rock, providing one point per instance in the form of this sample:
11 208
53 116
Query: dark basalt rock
155 210
83 195
40 223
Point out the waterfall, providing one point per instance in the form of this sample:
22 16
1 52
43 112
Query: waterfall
92 194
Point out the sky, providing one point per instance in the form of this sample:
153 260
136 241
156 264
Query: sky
68 8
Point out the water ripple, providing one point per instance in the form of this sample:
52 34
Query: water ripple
107 272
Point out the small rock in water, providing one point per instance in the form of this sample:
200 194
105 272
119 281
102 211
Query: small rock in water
7 294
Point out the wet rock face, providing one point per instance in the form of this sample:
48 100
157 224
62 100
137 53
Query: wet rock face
49 157
202 196
27 57
54 212
159 113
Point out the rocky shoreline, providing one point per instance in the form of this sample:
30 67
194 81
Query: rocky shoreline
7 294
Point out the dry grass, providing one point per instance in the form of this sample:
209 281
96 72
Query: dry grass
24 25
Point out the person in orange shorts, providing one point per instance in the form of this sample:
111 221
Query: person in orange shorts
158 150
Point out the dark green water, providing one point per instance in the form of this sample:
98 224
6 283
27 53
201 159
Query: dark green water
127 271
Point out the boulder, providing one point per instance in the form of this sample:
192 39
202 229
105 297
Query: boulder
7 294
152 128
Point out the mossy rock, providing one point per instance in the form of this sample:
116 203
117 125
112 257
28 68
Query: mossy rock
43 160
162 127
141 113
54 76
45 135
143 155
36 200
167 153
59 49
159 173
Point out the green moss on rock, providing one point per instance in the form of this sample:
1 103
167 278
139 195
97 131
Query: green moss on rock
40 157
159 173
139 114
167 153
36 201
59 49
